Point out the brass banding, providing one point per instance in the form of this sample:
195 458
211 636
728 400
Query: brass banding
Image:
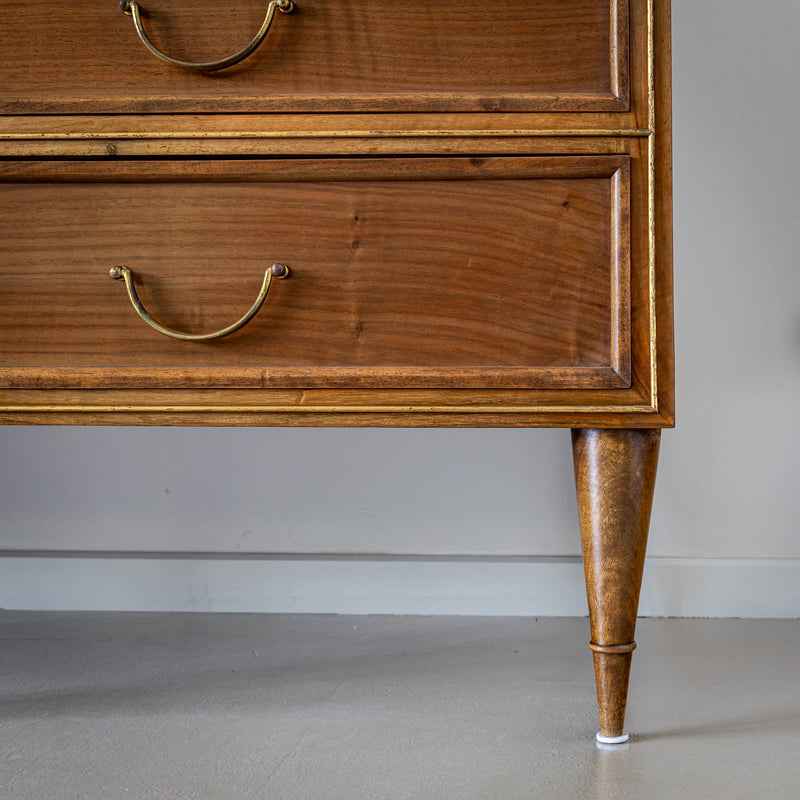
354 133
322 409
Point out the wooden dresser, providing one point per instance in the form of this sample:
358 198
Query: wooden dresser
452 213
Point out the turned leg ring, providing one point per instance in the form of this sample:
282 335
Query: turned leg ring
613 648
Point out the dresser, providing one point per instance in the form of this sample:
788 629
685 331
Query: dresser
338 213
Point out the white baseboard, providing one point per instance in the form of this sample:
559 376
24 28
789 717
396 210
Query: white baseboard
387 585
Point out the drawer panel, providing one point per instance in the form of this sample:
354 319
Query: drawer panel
508 272
326 55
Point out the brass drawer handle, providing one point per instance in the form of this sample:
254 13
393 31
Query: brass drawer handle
131 8
279 271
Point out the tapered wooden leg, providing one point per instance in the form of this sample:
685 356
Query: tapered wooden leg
615 473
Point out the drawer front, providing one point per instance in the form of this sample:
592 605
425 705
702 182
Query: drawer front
326 55
508 272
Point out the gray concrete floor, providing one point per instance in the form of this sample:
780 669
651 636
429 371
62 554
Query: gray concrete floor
170 706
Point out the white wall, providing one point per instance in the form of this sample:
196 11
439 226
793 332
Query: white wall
484 521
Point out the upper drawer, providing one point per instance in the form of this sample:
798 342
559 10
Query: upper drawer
326 55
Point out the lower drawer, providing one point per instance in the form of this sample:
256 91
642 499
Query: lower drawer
505 272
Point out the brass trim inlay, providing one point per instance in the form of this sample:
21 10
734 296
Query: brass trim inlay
131 8
279 271
287 409
651 197
639 133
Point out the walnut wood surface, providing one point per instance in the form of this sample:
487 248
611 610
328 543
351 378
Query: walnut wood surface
615 475
648 401
662 240
410 272
327 55
566 408
310 146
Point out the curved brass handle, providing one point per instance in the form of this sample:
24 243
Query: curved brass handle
131 8
279 271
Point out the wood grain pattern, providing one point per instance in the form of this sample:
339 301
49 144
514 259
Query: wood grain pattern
313 146
613 408
406 272
214 125
328 55
615 475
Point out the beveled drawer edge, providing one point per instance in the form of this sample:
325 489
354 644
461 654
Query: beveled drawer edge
423 103
311 168
305 378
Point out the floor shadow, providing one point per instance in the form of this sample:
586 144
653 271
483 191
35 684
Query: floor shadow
776 722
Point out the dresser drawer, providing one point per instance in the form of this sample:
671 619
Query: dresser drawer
326 55
453 260
412 272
